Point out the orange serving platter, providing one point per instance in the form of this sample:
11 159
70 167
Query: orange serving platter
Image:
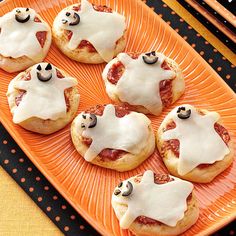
88 188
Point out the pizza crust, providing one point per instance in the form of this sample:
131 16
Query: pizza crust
198 175
82 54
160 229
126 162
39 125
178 85
11 65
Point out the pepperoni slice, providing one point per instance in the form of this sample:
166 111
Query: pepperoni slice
41 35
174 144
107 154
158 179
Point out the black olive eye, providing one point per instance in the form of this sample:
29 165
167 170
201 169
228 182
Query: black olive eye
150 58
27 9
18 11
84 116
68 14
117 192
183 113
129 190
39 67
93 122
48 67
120 184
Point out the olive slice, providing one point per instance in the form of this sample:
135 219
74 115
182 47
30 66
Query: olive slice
20 20
183 113
150 58
117 192
93 122
120 184
48 67
42 78
77 20
39 67
129 189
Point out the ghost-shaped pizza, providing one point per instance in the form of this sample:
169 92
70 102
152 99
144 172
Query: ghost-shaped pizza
194 144
89 33
113 137
155 204
25 39
145 82
43 98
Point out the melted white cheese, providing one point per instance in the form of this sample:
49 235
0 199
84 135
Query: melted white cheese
139 84
44 100
101 29
165 203
199 142
19 39
128 133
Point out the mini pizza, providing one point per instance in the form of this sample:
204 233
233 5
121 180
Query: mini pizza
89 33
145 82
155 204
43 99
113 137
25 39
194 144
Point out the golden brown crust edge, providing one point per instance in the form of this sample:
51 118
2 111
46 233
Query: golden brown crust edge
198 175
41 126
82 54
11 65
126 162
189 219
178 87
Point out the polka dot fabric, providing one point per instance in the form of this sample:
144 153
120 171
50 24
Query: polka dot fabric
16 163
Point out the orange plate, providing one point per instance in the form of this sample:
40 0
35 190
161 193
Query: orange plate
88 188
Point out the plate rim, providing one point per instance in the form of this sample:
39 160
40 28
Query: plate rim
217 225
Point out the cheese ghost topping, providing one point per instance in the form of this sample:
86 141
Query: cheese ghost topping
199 141
140 82
101 29
165 203
44 97
128 133
18 34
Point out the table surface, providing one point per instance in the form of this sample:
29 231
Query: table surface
19 215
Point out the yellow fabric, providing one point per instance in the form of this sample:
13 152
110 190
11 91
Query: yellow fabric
19 215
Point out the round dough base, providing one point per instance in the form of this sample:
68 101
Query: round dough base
11 65
178 86
45 126
189 219
126 162
198 175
